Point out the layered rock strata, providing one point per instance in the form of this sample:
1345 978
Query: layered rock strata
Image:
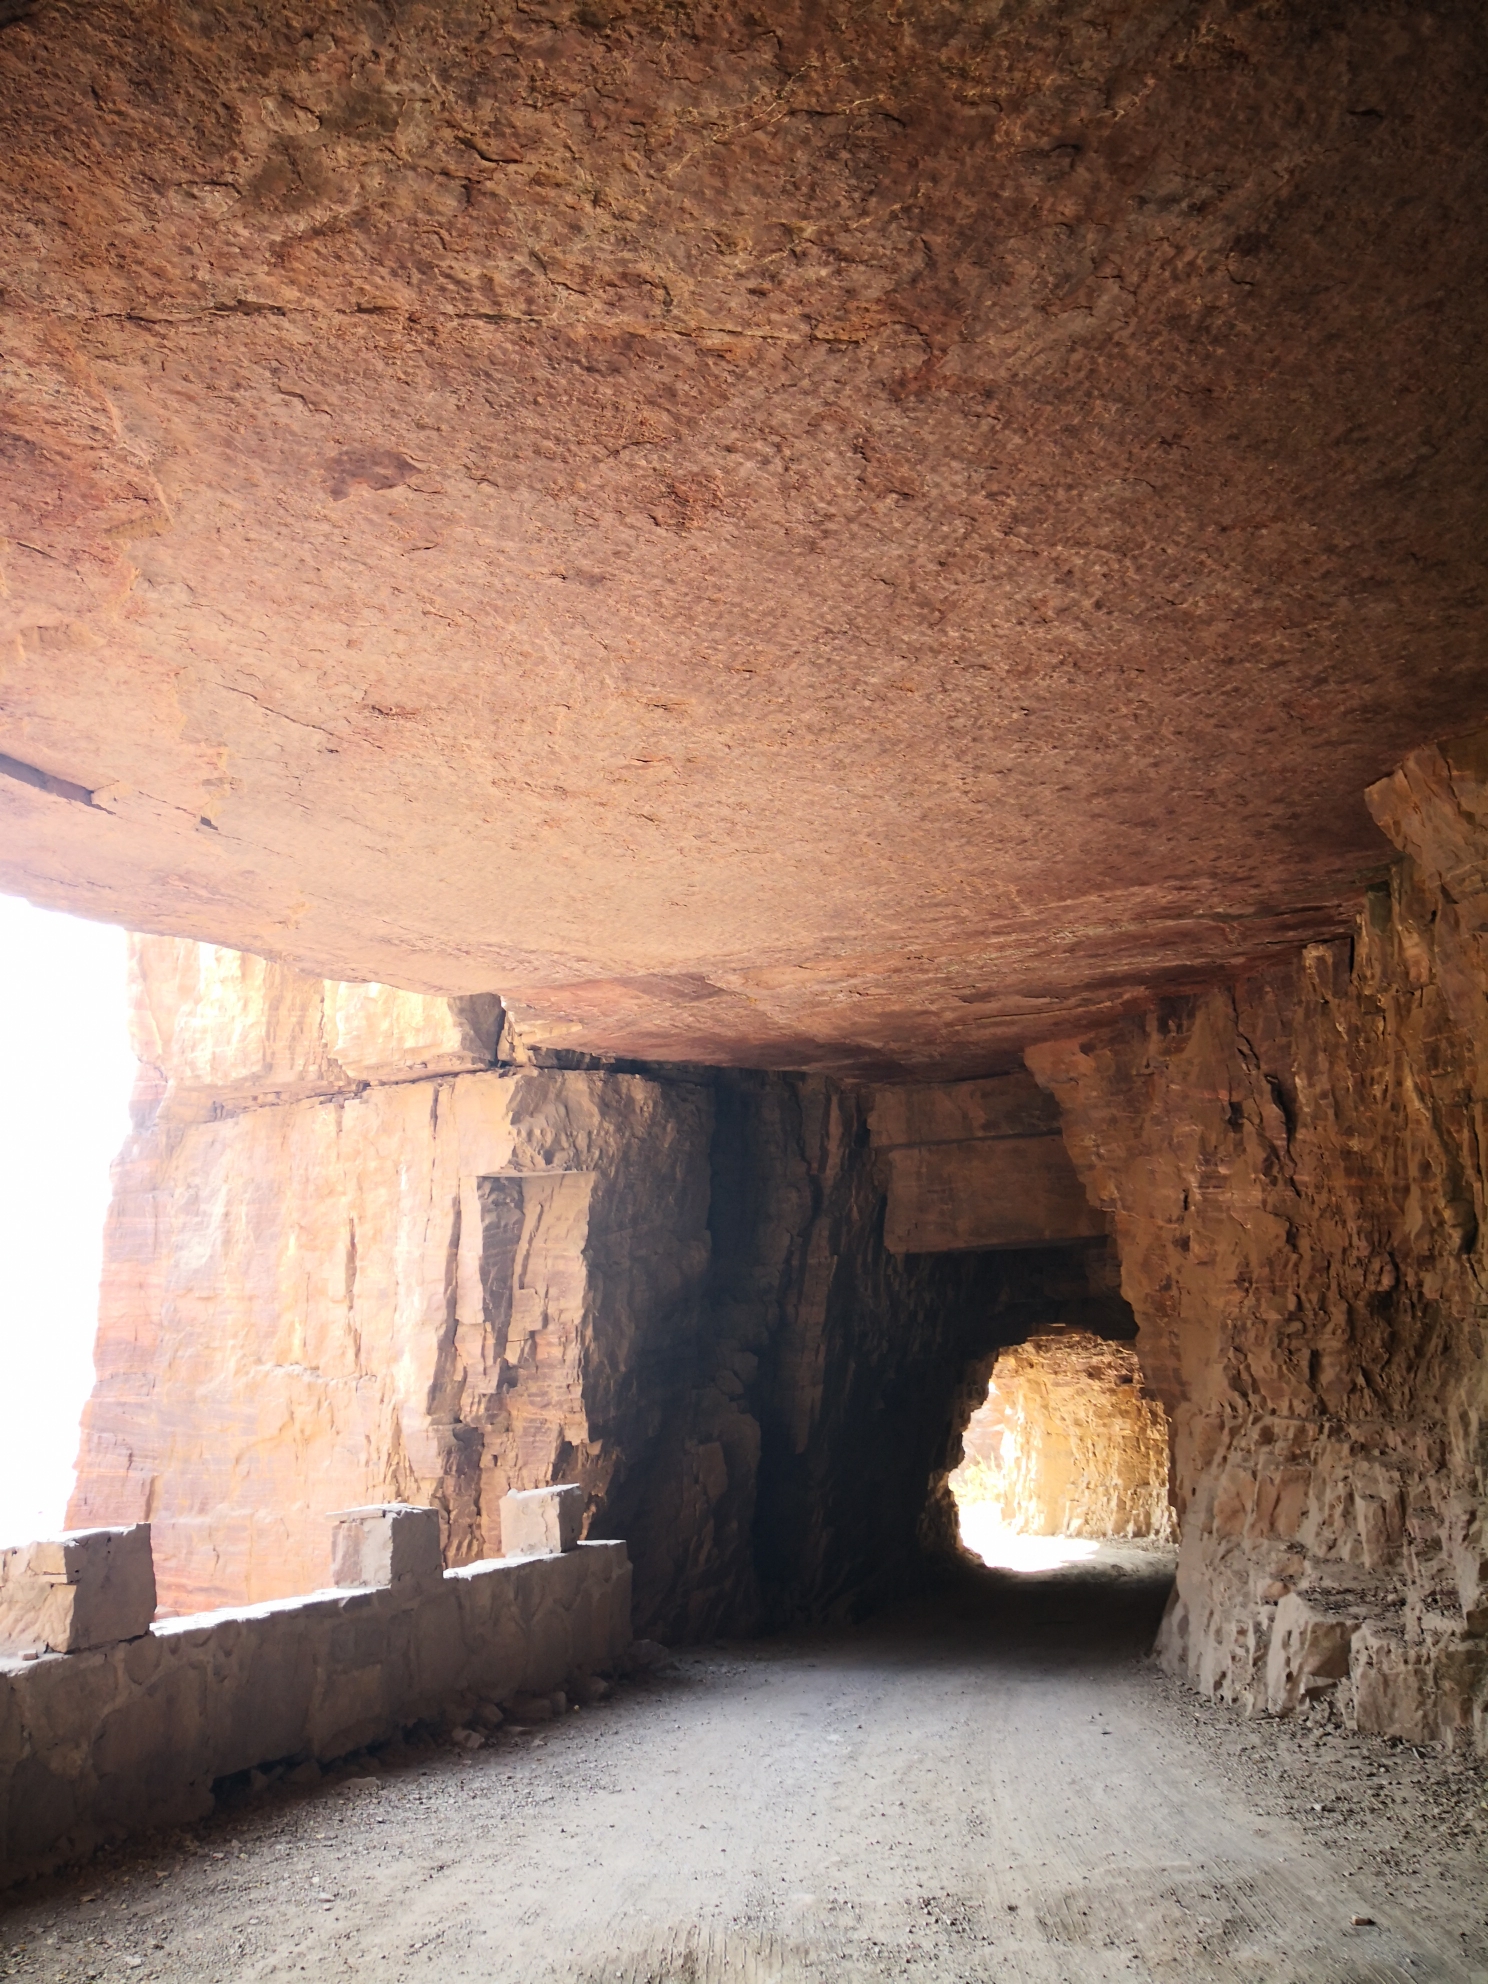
977 1164
1069 1442
1294 1165
339 1270
390 1293
855 1366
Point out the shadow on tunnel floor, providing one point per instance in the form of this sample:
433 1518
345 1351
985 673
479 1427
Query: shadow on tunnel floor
1107 1607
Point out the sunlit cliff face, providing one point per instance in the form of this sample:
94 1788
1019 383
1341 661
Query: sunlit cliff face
1068 1448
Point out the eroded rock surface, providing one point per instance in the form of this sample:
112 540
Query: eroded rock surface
855 1361
671 1289
977 1164
217 1031
766 536
1068 1442
1295 1169
387 1295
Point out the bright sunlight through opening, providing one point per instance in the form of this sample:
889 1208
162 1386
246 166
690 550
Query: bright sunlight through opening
1067 1449
984 1533
66 1082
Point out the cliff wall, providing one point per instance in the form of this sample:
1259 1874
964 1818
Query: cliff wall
868 1360
395 1287
1295 1168
355 1255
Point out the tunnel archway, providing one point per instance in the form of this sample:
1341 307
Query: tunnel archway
1068 1447
1060 1323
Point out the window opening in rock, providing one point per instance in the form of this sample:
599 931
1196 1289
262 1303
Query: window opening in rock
1068 1450
68 1072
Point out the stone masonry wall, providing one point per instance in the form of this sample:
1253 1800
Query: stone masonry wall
133 1733
1295 1165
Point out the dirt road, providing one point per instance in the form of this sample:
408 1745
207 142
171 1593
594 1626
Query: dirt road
995 1787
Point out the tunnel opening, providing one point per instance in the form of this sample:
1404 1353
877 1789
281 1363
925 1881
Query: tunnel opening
1066 1450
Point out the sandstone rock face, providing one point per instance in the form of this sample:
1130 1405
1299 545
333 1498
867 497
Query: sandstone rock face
1068 1442
670 1290
806 1476
427 1291
754 534
1016 1192
977 1164
932 1115
1294 1166
220 1030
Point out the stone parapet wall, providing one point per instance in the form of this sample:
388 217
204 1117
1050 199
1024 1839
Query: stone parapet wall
1295 1168
133 1735
66 1594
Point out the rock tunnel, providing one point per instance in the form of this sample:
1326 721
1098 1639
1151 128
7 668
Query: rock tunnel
789 709
1067 1442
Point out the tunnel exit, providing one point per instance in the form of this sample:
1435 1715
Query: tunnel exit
1067 1450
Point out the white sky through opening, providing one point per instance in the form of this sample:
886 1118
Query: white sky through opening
64 1094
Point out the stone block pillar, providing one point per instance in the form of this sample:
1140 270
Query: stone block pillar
84 1589
540 1522
386 1544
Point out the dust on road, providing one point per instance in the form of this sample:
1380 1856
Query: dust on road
994 1784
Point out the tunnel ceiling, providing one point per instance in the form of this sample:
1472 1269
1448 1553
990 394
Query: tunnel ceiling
851 539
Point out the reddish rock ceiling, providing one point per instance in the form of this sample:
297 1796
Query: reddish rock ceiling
852 539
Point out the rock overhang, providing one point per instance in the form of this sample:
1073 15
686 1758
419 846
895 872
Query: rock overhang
851 544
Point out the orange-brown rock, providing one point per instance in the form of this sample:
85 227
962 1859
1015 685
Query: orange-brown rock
1068 1442
334 1277
840 539
1294 1166
216 1031
977 1164
428 1289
